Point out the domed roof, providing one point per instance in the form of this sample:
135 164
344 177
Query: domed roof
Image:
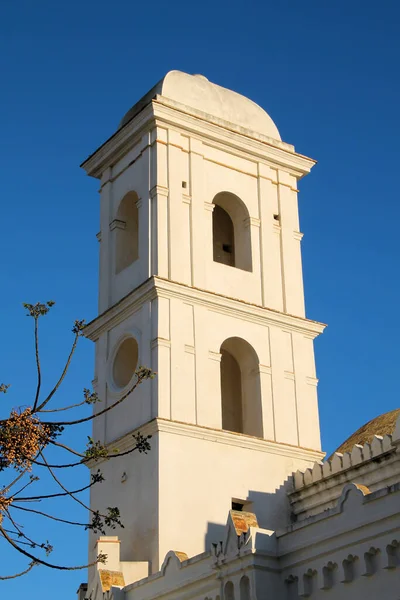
197 92
384 424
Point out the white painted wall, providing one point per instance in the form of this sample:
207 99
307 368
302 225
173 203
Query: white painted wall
181 306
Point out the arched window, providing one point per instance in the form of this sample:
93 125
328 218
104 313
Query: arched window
127 232
229 591
240 388
223 237
245 588
231 232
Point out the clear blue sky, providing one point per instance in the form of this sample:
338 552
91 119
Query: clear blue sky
327 72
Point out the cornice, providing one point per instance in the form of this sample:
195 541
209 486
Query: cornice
118 144
164 288
246 143
160 425
164 112
121 310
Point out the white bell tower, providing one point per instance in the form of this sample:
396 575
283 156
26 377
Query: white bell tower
201 280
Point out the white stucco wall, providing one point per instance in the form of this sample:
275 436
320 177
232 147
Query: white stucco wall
181 306
176 176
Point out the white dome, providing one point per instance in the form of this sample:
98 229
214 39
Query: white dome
197 92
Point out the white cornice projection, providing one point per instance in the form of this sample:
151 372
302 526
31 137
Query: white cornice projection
127 442
162 112
157 287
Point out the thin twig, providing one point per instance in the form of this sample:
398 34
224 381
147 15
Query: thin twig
54 443
47 496
24 487
65 489
43 514
41 561
63 374
53 410
39 374
20 532
6 489
94 416
4 577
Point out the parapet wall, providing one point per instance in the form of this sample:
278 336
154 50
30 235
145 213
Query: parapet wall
374 465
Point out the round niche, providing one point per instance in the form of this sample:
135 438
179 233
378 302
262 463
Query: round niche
125 362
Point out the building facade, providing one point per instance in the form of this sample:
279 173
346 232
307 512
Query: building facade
201 280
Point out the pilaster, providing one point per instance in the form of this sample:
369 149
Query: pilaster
271 268
105 245
198 215
290 244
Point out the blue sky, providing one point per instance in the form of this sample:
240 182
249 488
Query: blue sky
327 72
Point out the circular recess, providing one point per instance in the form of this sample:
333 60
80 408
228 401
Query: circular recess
125 362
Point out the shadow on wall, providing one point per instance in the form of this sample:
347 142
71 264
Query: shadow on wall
215 533
272 510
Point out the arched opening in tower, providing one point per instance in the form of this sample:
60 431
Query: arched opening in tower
223 237
240 388
231 232
127 232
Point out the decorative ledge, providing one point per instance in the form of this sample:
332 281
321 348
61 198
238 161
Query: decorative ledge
159 190
215 435
117 224
160 342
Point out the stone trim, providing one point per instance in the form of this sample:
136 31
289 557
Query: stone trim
163 112
117 224
161 425
159 190
158 287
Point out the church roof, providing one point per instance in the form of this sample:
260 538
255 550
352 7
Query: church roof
196 92
384 424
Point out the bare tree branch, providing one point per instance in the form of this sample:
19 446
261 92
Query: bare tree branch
52 517
58 495
39 374
102 412
63 374
5 577
24 438
44 562
62 408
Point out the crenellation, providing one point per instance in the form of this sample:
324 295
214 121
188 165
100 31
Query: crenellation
387 443
342 462
317 471
347 460
308 476
326 469
357 454
376 447
336 463
298 479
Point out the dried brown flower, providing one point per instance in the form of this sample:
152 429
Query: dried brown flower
21 437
